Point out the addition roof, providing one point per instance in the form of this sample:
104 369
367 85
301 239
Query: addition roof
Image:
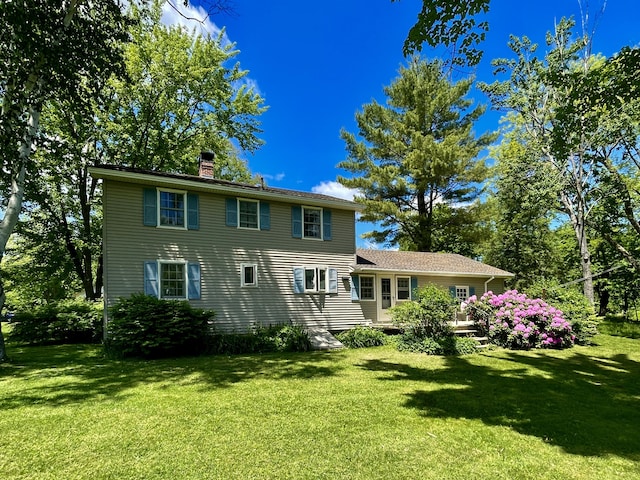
194 182
424 263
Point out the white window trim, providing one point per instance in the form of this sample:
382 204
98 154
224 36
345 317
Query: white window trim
254 266
466 287
373 288
316 269
252 200
321 237
184 208
184 263
398 299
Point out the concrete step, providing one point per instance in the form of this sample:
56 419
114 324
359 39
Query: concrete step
321 339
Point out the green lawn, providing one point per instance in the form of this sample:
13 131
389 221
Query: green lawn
68 413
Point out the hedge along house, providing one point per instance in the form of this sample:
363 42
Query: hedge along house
382 278
255 255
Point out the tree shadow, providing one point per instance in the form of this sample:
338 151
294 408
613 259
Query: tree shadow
586 404
67 374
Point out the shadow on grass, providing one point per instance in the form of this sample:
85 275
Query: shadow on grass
585 404
61 375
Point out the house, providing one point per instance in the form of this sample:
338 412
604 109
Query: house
382 278
259 255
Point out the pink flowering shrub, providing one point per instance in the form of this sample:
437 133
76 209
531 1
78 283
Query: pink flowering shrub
513 320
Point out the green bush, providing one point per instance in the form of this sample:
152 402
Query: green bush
273 338
428 314
450 345
66 321
148 327
362 337
576 308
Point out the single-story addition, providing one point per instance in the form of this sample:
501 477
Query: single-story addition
259 255
383 278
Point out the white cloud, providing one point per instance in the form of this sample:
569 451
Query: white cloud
335 189
278 177
174 12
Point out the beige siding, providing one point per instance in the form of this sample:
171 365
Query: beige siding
220 250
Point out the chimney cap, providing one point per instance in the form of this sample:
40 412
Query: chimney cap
207 156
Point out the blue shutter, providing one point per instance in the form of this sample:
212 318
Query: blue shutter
232 212
355 287
452 291
149 206
193 206
472 291
414 286
193 281
326 224
298 280
296 221
265 216
333 280
151 286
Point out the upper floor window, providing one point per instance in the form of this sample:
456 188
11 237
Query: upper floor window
312 222
247 213
173 208
248 216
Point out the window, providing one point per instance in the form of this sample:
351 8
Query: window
173 280
249 275
462 293
315 279
403 289
367 290
312 222
172 208
248 214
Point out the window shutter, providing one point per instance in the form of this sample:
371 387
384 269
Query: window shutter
193 281
355 287
298 280
452 291
232 212
296 221
414 286
333 280
265 216
472 291
326 224
193 206
151 286
149 206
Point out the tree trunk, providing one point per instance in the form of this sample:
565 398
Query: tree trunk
3 349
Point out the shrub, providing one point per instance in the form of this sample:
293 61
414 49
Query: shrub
148 327
362 337
428 315
519 322
576 308
66 321
273 338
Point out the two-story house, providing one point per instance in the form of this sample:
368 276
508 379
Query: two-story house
258 255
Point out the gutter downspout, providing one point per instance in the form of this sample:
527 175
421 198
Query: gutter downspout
487 283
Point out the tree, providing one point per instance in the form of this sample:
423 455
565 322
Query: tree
178 98
48 49
535 93
451 23
417 156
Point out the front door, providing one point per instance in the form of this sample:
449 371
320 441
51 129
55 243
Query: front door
386 299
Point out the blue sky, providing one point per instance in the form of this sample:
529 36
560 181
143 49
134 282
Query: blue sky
317 63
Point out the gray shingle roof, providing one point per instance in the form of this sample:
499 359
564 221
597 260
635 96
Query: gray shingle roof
424 262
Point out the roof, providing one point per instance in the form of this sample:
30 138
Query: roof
424 263
194 182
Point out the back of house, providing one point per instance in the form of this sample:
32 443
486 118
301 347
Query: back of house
255 255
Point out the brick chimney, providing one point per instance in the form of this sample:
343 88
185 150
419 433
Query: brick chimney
206 164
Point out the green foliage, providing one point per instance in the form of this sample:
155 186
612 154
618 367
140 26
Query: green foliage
66 321
575 307
148 327
362 337
451 24
450 345
272 338
415 157
428 314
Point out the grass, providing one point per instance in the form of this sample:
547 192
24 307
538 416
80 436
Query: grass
620 326
67 413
